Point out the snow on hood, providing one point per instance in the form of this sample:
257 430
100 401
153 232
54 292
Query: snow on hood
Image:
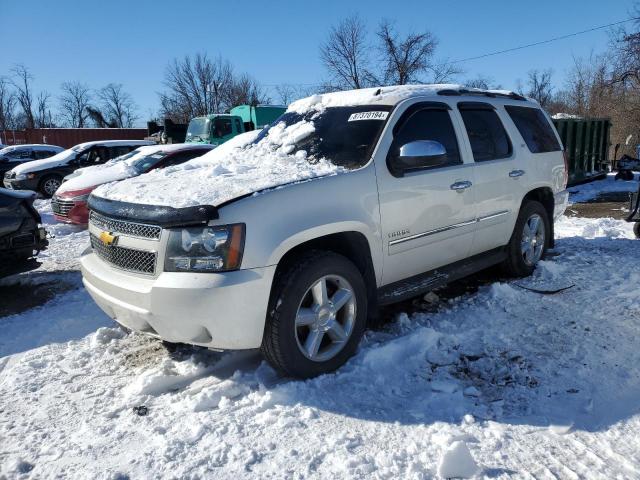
121 167
57 160
234 169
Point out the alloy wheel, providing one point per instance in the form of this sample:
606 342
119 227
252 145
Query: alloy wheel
533 240
325 318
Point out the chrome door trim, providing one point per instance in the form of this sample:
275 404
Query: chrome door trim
432 232
448 227
493 215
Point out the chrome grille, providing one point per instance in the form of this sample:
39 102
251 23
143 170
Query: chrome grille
127 228
129 259
9 174
61 207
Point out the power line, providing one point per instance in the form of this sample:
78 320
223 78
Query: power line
498 52
542 42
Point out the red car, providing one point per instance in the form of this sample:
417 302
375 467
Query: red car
69 204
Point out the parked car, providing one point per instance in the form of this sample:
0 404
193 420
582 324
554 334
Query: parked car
69 203
348 201
11 157
21 235
218 128
45 176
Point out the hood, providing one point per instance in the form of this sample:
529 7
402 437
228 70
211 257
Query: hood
57 160
91 177
234 169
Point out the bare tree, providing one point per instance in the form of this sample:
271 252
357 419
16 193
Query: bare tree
21 81
74 100
7 105
117 105
540 87
482 82
443 71
404 59
43 117
196 86
246 91
344 54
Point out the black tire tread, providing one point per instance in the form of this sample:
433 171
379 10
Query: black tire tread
513 265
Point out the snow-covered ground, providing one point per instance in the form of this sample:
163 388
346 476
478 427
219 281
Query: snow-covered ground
504 382
590 191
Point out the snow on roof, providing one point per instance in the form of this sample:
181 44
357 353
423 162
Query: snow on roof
111 143
564 116
379 95
37 146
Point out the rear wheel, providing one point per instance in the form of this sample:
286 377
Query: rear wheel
636 229
317 316
50 184
529 240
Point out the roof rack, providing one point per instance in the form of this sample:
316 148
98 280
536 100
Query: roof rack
487 93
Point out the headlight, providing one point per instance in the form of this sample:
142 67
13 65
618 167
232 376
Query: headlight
80 198
205 249
21 176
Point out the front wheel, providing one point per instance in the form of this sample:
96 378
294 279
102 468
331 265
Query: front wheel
529 240
49 185
317 316
636 229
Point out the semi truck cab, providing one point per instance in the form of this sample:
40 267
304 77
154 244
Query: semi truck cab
217 128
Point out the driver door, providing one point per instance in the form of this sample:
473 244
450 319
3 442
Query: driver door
428 214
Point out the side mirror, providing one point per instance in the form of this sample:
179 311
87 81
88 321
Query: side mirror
420 154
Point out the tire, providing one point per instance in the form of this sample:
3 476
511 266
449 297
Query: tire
299 324
618 176
49 185
522 259
636 229
628 175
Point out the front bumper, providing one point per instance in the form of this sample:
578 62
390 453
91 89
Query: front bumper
13 184
560 203
217 310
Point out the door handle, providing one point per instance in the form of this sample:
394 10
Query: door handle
460 186
516 173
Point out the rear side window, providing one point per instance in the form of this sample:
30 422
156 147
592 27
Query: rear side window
428 124
487 136
534 128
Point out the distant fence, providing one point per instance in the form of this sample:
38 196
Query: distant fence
68 137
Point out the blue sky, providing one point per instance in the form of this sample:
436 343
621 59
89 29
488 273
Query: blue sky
131 42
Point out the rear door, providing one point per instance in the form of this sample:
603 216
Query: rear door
427 215
497 170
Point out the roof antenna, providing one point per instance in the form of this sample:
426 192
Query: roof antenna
377 92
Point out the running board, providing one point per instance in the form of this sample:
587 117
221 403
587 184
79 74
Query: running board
428 281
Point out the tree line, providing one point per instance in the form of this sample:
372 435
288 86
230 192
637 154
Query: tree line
77 104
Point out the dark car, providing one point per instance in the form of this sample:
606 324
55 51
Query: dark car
11 157
21 235
45 176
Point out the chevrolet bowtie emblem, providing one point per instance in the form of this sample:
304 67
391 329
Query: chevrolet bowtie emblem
108 239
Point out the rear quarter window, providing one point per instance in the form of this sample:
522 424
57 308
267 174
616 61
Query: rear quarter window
534 128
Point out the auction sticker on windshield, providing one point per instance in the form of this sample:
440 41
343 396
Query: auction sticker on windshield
368 116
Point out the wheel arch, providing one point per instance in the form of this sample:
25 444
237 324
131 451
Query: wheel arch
353 245
543 195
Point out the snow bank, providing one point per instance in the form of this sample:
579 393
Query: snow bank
590 191
233 169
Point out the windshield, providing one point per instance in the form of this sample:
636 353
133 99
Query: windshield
198 129
345 136
146 163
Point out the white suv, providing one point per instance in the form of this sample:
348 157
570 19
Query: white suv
289 239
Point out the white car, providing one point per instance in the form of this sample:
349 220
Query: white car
349 201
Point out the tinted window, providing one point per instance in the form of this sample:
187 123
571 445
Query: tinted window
534 128
427 124
345 136
487 136
222 127
40 154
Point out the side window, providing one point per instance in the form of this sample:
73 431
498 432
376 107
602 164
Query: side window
426 124
40 154
182 157
25 154
222 127
487 136
534 128
118 151
238 126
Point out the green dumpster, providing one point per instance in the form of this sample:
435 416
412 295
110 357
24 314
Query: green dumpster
586 141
